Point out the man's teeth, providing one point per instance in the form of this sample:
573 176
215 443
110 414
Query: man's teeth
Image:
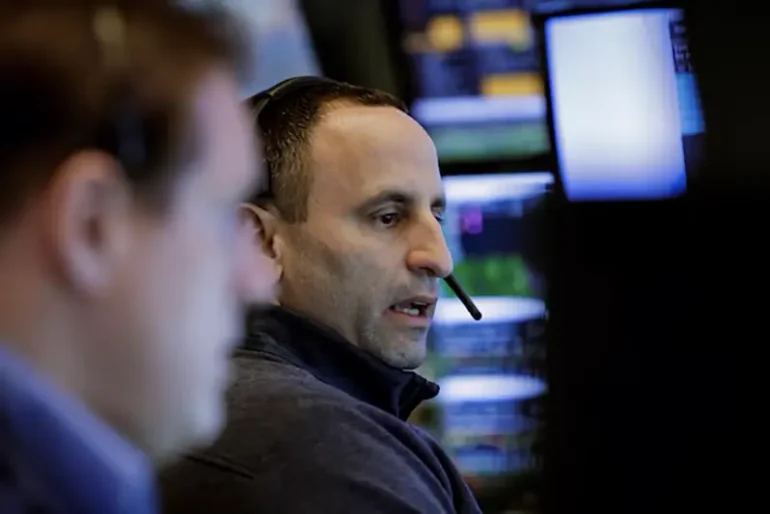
411 310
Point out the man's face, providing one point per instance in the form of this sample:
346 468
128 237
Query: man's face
175 309
367 260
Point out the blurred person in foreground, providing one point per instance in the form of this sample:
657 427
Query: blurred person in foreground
124 154
318 415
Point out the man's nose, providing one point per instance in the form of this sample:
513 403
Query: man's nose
430 253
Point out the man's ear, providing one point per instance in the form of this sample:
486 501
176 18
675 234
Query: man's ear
262 225
88 208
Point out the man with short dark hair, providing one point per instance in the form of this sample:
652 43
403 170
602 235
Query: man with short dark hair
352 230
125 152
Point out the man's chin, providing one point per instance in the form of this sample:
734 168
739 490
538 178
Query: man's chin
408 357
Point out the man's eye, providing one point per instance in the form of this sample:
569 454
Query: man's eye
439 216
388 219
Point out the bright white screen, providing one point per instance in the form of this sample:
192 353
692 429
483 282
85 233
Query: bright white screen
616 112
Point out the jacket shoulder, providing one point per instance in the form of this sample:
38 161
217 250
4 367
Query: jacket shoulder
294 443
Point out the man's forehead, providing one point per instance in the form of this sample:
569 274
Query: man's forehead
365 151
372 131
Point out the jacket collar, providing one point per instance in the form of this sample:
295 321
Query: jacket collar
335 361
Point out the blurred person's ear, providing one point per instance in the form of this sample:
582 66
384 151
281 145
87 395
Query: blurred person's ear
89 203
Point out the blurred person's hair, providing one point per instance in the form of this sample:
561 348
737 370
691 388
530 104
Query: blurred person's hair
286 125
60 93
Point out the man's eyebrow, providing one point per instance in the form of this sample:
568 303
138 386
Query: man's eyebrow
404 198
388 196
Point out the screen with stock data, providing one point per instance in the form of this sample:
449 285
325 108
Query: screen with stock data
492 372
479 90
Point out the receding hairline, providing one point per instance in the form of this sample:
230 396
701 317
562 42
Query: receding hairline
288 136
342 104
306 157
330 145
339 107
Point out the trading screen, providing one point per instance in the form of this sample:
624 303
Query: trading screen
479 90
492 372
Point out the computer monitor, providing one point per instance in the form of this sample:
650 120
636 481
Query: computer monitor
477 86
492 372
624 104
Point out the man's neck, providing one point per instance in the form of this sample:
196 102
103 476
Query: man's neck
40 329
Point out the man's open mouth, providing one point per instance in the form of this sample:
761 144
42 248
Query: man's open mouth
416 308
